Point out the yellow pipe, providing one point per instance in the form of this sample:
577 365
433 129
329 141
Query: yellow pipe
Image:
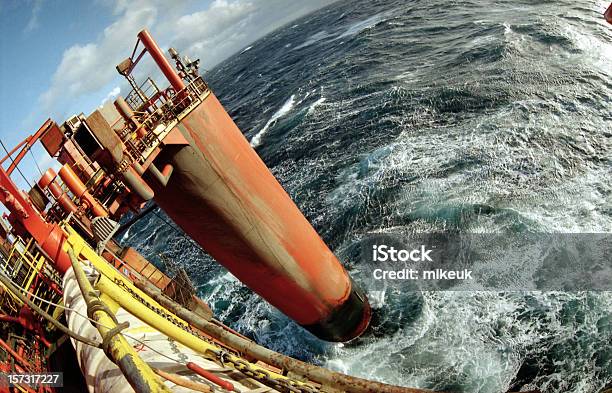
80 247
162 324
122 291
138 373
153 318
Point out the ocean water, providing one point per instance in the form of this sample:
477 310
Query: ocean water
421 116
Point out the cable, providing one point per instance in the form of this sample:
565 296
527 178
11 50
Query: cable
8 283
16 166
91 320
35 162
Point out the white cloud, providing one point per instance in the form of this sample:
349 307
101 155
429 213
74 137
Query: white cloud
228 26
211 34
85 69
111 95
33 22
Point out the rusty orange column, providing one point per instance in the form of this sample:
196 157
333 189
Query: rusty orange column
161 61
79 190
223 195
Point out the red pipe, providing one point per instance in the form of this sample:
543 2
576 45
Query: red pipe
78 188
210 376
48 181
29 142
49 236
159 58
47 178
62 198
14 354
28 325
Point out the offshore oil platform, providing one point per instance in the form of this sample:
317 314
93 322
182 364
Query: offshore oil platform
73 300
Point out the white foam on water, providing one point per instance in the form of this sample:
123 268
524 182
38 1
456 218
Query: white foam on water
349 31
248 48
125 236
315 104
321 35
366 24
286 108
477 338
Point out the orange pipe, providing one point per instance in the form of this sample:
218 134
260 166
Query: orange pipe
159 58
223 195
48 181
210 376
47 178
72 181
78 189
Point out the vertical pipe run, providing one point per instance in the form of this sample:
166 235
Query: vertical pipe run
128 115
159 58
78 188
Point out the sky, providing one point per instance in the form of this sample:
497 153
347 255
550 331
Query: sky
58 57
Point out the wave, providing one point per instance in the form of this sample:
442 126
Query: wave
286 108
366 24
321 35
315 104
439 116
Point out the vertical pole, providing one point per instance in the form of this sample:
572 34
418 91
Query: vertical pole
160 60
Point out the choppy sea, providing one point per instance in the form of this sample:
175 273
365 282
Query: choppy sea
420 116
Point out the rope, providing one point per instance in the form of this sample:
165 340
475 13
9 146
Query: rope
35 162
63 307
16 166
8 283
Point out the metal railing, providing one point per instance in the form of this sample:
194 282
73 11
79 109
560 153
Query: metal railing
148 88
163 110
29 270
